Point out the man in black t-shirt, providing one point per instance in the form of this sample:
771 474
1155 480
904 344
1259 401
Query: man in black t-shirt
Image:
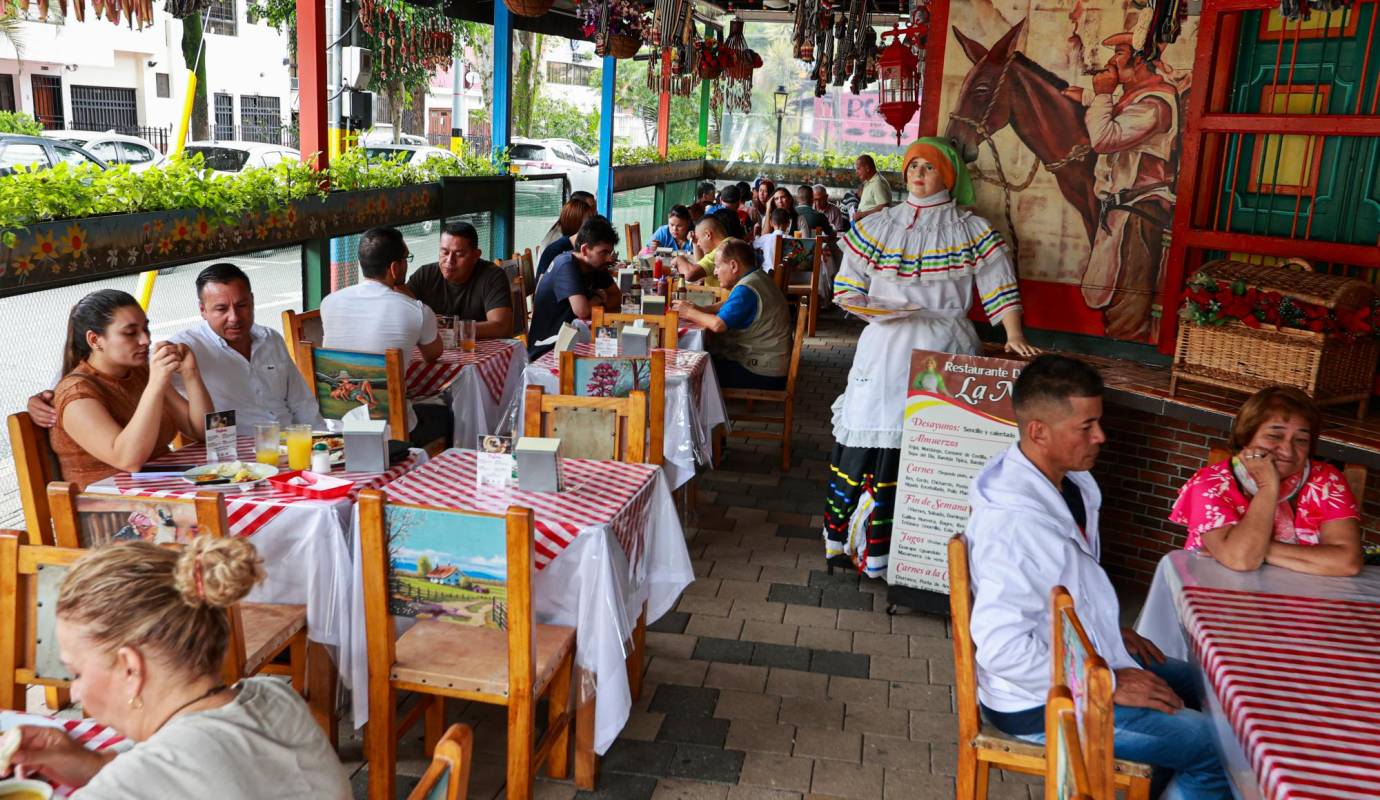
574 282
465 286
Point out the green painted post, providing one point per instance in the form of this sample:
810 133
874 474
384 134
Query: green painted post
704 113
660 208
316 272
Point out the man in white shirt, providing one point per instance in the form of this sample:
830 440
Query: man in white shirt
246 367
1034 526
373 316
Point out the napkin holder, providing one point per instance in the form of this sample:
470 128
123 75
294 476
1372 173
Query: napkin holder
627 278
571 335
654 304
538 464
635 340
366 445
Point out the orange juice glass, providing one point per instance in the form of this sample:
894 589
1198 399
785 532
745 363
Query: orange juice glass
467 334
299 446
266 443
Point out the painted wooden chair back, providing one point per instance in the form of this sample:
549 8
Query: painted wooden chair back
90 519
1066 770
343 380
664 326
448 777
598 428
301 327
1084 674
35 466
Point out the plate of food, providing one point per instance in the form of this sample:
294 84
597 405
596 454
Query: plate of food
877 310
230 473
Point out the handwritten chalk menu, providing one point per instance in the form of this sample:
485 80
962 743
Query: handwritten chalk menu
958 416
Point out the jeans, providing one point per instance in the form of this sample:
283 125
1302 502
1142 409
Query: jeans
433 422
1181 742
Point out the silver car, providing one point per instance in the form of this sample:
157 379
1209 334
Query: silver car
416 153
113 148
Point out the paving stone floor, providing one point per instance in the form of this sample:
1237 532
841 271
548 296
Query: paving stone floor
771 679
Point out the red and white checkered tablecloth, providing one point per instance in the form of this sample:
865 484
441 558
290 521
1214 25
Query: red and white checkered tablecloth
598 493
686 364
86 732
1299 680
247 510
491 357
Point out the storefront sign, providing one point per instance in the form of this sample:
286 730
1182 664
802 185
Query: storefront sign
958 416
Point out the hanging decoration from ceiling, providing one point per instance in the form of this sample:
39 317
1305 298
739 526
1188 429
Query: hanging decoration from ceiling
406 38
618 27
836 38
673 28
738 62
134 13
529 8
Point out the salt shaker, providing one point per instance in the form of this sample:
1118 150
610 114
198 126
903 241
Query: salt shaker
320 458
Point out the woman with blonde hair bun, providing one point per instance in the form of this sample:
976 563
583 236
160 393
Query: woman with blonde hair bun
143 630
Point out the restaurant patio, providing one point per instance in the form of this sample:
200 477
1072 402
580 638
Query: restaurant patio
699 605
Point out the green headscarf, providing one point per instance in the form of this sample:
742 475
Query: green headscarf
950 164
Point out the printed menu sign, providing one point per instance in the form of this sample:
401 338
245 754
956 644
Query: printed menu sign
958 416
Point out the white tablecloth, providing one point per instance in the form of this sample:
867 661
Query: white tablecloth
589 585
689 422
1161 622
473 405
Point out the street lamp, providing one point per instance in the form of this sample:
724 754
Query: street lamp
780 96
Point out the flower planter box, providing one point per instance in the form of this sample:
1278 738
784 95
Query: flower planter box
70 251
638 176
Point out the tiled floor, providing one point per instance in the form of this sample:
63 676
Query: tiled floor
771 680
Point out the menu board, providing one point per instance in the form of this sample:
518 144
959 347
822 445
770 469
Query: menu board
958 416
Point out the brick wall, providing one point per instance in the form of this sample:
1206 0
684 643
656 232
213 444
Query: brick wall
1144 462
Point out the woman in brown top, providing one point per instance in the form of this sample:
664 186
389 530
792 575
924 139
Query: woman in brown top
116 406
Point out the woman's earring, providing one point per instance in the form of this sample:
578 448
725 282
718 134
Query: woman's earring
136 702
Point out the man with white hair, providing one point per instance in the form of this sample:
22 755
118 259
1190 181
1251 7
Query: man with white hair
830 211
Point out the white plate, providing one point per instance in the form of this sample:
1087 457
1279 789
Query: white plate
878 311
261 472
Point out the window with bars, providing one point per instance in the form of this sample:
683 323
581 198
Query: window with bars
222 19
101 108
225 116
569 74
48 101
260 118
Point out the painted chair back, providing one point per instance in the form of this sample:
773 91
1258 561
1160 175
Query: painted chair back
343 380
1066 771
1085 676
448 777
664 326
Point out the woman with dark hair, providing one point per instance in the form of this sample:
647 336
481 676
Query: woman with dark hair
781 198
116 405
144 631
761 204
573 215
1272 503
674 235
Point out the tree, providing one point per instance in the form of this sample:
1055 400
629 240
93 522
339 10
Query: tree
553 117
423 566
632 94
192 41
526 79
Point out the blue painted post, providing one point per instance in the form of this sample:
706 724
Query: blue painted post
502 118
606 107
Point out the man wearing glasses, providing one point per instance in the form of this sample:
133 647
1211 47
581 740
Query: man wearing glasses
375 315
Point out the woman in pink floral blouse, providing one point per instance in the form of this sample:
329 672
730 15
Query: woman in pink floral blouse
1272 503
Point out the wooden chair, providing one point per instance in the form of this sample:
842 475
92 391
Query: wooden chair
1355 474
784 397
796 256
492 652
322 369
666 325
528 271
1079 670
303 327
982 746
35 466
1066 768
259 632
448 777
517 291
598 428
633 233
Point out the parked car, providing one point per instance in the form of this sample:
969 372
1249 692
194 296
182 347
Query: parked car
113 148
17 150
235 156
552 157
383 134
416 153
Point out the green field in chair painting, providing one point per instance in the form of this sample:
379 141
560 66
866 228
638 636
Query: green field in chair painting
346 380
447 566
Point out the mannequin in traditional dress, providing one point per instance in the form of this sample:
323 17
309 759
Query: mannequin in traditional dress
925 254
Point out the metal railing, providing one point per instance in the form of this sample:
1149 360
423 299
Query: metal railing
285 135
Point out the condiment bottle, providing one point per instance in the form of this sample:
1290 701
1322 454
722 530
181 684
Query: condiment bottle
657 269
320 458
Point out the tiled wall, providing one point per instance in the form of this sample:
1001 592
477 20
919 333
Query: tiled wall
1144 462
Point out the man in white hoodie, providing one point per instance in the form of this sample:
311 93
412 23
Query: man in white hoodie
1034 526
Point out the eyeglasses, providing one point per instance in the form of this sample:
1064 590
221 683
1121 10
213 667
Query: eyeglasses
411 256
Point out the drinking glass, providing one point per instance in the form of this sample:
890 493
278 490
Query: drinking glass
466 334
266 443
299 446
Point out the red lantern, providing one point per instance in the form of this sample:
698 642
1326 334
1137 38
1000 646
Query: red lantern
898 90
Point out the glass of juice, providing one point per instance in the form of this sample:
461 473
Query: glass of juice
466 331
266 443
299 446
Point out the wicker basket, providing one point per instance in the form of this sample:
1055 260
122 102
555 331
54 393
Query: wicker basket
1332 369
620 46
529 8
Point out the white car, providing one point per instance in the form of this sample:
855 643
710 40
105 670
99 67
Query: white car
417 153
114 148
553 157
383 134
235 156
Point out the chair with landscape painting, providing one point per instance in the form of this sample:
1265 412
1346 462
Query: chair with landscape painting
448 777
465 581
981 745
345 380
633 233
796 270
664 326
265 638
302 326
